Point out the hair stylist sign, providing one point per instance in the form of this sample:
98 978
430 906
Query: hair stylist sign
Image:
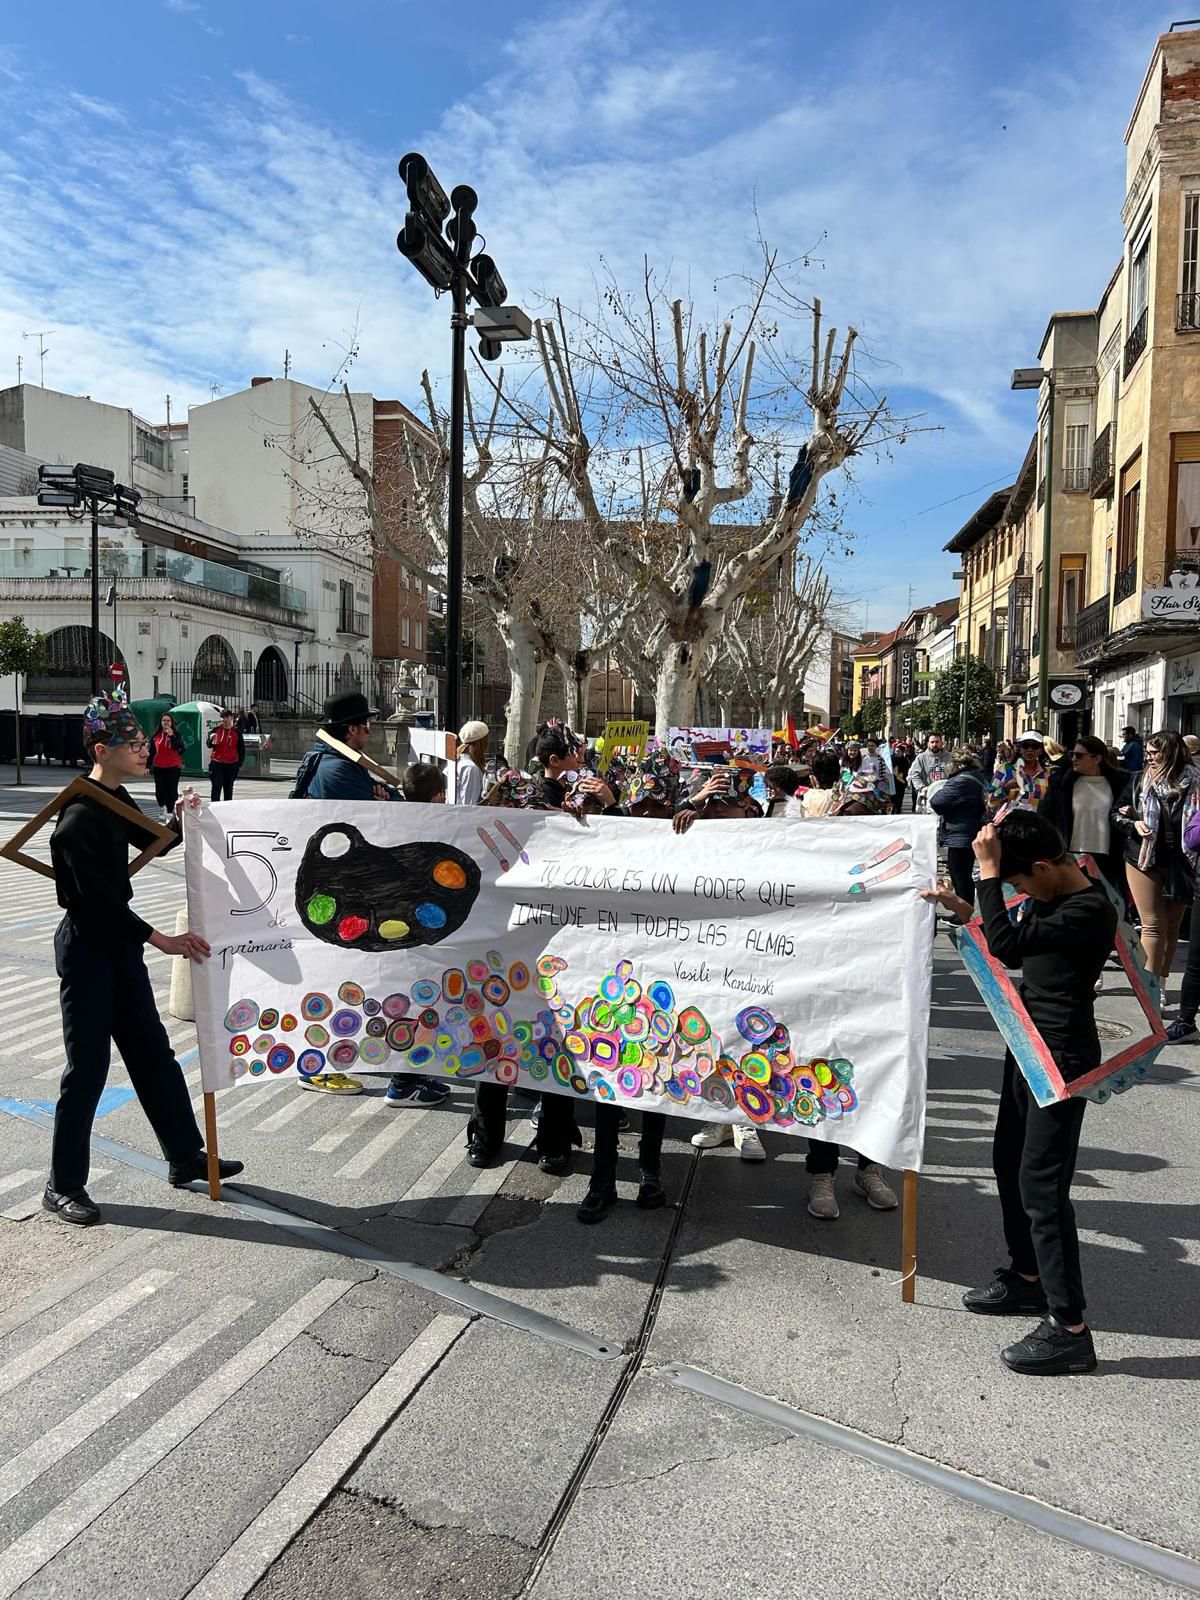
776 972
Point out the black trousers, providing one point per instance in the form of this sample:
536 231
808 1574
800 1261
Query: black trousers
222 774
556 1132
608 1127
823 1157
107 999
1033 1156
960 859
166 786
1189 999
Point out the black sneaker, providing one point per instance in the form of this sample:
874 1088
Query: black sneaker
651 1194
1051 1349
597 1202
1008 1294
1181 1029
78 1208
181 1173
557 1165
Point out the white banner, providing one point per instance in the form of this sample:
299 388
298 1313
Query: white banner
776 972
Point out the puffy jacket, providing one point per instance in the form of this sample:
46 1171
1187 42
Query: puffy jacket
961 808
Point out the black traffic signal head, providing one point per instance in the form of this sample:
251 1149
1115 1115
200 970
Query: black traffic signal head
490 288
425 194
427 251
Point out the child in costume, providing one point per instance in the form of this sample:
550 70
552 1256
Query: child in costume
105 988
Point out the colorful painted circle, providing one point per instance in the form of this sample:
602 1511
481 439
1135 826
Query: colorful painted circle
576 1043
518 975
605 1050
309 1063
638 1026
257 1068
352 927
263 1043
395 1006
756 1067
755 1102
420 1056
473 1002
662 1025
716 1091
562 1067
624 969
343 1054
495 990
322 908
371 1008
807 1108
428 1018
268 1018
523 1032
430 915
281 1058
674 1090
663 995
830 1105
538 1070
495 960
316 1006
317 1034
755 1024
345 1023
373 1050
843 1070
288 1023
822 1072
352 994
239 1046
401 1033
241 1016
847 1097
693 1025
377 1027
505 1070
689 1081
579 1083
629 1082
237 1069
454 985
424 992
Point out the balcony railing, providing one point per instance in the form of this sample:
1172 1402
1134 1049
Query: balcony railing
1102 475
1091 628
125 566
1066 633
1187 313
1041 492
1077 480
1126 583
1035 645
353 622
1136 341
1016 669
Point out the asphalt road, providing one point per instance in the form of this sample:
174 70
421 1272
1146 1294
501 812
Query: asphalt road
374 1371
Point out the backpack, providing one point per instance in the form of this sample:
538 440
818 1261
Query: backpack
305 773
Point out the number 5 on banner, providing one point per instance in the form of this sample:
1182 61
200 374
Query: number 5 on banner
235 848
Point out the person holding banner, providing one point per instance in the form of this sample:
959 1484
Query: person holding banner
104 986
1060 945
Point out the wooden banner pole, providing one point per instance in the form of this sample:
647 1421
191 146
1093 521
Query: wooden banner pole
908 1231
210 1144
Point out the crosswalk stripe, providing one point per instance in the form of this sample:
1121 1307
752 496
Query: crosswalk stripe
289 1113
71 1333
38 1545
435 1174
387 1139
487 1185
349 1125
71 1282
49 1448
14 1180
249 1556
248 1100
22 1210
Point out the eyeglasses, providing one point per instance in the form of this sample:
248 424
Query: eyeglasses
138 744
1080 755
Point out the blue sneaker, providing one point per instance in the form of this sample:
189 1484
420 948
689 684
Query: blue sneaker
416 1092
1181 1029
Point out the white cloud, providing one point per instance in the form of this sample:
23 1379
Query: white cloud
297 38
950 219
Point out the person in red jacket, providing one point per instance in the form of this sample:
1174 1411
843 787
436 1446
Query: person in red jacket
228 752
166 763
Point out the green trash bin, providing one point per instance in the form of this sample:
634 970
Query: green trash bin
195 720
149 712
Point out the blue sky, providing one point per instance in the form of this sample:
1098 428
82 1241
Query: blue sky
190 186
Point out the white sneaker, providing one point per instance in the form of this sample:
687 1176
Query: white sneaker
711 1135
822 1202
869 1182
748 1145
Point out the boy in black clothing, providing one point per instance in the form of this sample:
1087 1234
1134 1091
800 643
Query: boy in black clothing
105 988
1060 944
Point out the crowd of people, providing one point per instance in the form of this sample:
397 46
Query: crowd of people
1018 814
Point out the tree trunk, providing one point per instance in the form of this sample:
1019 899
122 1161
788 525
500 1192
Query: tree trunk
526 672
576 672
676 682
725 710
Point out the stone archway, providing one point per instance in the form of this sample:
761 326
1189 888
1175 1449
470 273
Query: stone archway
271 678
66 670
215 672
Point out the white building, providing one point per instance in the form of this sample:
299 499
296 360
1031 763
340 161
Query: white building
247 579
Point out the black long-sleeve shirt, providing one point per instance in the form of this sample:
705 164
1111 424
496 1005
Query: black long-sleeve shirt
90 851
1061 946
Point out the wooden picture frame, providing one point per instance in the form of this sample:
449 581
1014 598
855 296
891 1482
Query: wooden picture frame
360 759
13 850
1030 1051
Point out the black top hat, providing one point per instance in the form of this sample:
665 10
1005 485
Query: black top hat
349 707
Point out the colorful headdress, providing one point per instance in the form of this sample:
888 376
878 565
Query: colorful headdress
865 790
107 717
513 789
653 780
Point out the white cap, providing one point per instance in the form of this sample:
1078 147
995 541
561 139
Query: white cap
1030 736
472 732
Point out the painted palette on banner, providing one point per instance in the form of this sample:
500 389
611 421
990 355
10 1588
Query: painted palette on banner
776 973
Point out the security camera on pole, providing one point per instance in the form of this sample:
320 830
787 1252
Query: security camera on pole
444 261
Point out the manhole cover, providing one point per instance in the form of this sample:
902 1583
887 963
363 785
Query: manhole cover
1113 1030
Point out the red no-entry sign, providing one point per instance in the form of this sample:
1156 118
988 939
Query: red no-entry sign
116 672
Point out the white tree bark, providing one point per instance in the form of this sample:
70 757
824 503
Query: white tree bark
526 659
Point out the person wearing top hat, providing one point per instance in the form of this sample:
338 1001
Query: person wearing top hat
324 773
468 770
104 986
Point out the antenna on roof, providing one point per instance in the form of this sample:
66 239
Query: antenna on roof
287 363
40 334
214 390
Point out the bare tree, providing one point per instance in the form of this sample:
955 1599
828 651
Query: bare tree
770 639
656 423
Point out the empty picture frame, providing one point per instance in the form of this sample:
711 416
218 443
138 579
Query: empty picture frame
998 992
14 850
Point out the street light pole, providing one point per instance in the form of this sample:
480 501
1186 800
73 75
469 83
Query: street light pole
454 550
95 505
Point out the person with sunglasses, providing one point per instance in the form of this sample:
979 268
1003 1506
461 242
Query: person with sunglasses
1154 825
1021 784
1080 801
105 989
